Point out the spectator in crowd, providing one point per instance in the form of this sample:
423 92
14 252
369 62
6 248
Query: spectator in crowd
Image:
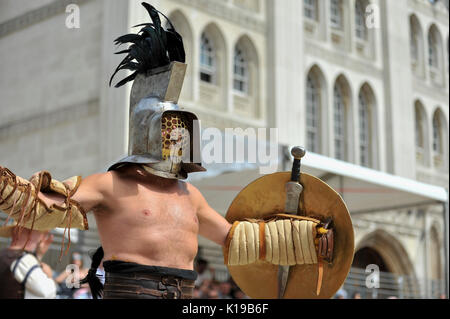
341 294
225 290
239 294
204 271
23 275
204 288
356 295
69 286
197 293
213 291
214 285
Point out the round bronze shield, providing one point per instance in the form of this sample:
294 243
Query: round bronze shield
266 196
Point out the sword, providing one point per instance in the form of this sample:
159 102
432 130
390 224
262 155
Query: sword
293 191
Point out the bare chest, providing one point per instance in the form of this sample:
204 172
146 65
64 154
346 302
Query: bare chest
158 209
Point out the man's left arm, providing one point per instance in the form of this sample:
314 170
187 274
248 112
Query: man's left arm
212 225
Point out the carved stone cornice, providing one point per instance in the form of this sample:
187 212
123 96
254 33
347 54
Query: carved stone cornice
342 59
234 14
435 93
222 119
437 11
35 16
395 227
432 176
48 119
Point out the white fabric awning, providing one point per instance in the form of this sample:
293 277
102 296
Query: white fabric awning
366 190
363 189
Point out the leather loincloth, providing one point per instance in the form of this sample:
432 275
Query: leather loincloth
124 280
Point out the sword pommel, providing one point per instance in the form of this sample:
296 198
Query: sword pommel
298 152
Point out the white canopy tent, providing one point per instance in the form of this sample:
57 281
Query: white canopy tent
366 190
363 189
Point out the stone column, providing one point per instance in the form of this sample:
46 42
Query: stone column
399 114
286 74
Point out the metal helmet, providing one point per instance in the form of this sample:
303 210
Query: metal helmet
162 137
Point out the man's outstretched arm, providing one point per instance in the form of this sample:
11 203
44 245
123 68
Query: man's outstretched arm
89 194
212 225
43 203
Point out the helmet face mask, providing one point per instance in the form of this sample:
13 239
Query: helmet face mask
175 132
176 141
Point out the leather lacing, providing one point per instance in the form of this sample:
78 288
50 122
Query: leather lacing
6 172
33 211
69 207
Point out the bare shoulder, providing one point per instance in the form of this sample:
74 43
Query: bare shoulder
193 191
93 190
99 183
195 194
96 181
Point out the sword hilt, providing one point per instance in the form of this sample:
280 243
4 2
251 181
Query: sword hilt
297 152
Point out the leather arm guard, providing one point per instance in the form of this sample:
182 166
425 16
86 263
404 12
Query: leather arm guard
19 199
286 240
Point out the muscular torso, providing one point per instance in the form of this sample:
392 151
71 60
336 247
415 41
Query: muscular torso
149 221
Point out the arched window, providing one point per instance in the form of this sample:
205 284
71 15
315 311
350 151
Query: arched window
213 84
438 148
360 20
313 114
414 42
310 9
433 51
207 60
440 141
435 56
340 125
241 71
365 139
420 136
246 79
416 46
336 13
420 133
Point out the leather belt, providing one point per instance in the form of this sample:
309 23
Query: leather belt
146 286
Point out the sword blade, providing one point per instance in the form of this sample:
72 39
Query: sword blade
283 275
293 191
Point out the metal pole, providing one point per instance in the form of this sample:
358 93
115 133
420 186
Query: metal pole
426 256
446 221
401 294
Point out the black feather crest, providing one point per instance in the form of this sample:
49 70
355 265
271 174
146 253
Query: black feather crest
150 48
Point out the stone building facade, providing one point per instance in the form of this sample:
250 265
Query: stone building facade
361 81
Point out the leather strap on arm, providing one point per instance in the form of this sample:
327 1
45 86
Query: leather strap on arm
228 241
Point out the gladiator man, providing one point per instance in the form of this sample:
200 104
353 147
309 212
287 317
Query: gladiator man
297 242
